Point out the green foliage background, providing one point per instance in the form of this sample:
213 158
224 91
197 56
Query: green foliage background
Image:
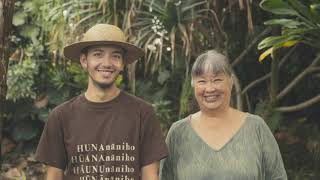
173 33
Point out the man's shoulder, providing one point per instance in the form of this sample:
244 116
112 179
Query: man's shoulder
135 101
67 105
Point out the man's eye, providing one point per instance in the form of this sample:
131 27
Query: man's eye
117 56
97 54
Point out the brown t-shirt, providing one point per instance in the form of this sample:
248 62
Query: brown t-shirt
94 141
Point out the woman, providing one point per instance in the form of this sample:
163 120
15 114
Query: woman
220 142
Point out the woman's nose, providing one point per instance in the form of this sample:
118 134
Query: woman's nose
211 86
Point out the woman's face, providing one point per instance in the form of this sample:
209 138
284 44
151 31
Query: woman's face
212 91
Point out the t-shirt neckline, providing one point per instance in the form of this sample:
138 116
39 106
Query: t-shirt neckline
101 105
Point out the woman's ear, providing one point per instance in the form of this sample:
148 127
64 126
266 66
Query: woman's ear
232 79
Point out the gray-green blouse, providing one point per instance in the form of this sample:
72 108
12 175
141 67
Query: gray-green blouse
251 154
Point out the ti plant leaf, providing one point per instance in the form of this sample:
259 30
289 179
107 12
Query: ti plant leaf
278 7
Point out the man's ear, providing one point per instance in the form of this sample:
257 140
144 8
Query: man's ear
83 61
122 67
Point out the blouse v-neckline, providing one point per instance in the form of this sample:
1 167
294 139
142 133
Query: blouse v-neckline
236 134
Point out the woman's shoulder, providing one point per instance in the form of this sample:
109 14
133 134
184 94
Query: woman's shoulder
255 119
258 123
179 126
249 119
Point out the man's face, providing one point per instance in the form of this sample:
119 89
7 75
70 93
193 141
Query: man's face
103 63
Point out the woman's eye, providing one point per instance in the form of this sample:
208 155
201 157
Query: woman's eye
201 81
218 80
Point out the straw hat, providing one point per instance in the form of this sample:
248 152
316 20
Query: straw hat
104 34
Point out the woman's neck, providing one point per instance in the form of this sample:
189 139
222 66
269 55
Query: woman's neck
215 118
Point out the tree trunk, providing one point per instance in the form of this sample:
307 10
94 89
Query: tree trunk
6 13
274 78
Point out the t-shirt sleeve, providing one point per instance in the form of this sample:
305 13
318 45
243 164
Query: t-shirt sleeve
51 150
167 165
271 156
153 147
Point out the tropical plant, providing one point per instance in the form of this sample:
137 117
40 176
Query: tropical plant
299 22
166 27
66 20
21 80
173 33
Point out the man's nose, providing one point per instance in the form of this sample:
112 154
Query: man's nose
106 60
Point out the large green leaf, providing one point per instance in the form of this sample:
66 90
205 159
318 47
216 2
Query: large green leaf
186 94
288 23
21 80
58 96
19 18
24 110
31 6
315 10
315 7
299 31
277 41
274 120
163 76
303 10
24 131
80 77
277 7
194 5
30 31
43 114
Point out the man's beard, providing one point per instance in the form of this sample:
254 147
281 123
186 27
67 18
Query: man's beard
103 86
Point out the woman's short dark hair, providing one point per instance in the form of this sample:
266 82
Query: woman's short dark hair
211 62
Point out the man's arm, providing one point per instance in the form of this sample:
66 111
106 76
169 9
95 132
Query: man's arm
54 173
150 171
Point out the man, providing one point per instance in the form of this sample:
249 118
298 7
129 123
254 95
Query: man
106 133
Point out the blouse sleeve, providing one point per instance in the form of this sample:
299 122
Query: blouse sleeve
271 157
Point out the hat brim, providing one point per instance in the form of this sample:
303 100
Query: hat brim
132 52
